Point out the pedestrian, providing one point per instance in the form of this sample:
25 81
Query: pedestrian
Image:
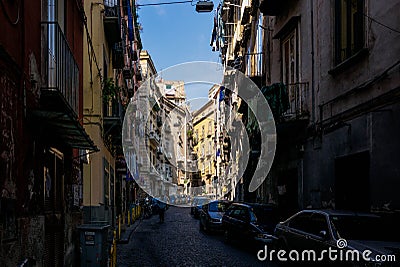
161 210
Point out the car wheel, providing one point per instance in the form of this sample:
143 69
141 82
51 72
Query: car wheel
201 226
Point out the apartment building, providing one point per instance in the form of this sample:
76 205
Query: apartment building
43 140
112 74
204 126
328 72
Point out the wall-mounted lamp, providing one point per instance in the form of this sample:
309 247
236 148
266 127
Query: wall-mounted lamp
204 6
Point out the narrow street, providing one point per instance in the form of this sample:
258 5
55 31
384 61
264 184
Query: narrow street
178 242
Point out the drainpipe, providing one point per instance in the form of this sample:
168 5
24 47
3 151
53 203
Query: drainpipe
312 65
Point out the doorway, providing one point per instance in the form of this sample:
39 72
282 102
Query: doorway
352 185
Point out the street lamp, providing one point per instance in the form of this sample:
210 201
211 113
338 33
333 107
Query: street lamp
204 6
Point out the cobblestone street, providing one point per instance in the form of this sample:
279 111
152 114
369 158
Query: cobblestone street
178 242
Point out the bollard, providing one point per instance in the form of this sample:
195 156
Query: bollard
113 251
129 218
114 263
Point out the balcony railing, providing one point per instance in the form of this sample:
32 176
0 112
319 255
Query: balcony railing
298 96
111 22
61 73
118 56
154 137
254 65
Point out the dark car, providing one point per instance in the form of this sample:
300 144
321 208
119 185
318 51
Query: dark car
323 229
211 215
197 205
250 223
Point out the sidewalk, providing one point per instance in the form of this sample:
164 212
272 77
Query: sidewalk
126 235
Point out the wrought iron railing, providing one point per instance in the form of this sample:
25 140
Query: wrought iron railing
255 64
110 11
61 71
298 99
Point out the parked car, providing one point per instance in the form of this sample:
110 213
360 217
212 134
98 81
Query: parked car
250 223
211 215
321 229
197 205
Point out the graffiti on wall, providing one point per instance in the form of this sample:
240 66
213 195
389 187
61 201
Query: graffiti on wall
7 134
8 118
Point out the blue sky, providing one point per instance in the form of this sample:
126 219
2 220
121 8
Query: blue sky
174 34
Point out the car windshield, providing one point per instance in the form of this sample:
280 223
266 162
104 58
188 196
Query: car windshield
353 227
264 215
218 206
201 201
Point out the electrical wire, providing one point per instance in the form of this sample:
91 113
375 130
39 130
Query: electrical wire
374 20
164 3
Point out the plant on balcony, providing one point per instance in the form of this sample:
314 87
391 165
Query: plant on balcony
110 90
189 134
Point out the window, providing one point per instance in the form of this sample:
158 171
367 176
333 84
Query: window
349 28
301 222
290 64
317 224
241 213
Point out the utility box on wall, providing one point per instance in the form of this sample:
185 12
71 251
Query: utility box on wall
93 244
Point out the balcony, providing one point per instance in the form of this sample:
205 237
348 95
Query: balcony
159 121
111 23
168 155
255 68
154 138
298 104
246 35
246 15
289 105
59 98
138 71
118 56
154 102
113 116
127 72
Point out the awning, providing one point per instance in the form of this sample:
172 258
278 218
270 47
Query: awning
64 127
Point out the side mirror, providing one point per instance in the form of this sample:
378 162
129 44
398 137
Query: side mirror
323 234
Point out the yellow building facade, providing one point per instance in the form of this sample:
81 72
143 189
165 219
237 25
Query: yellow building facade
204 145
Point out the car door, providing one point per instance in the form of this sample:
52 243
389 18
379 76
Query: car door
203 214
318 237
240 221
296 231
